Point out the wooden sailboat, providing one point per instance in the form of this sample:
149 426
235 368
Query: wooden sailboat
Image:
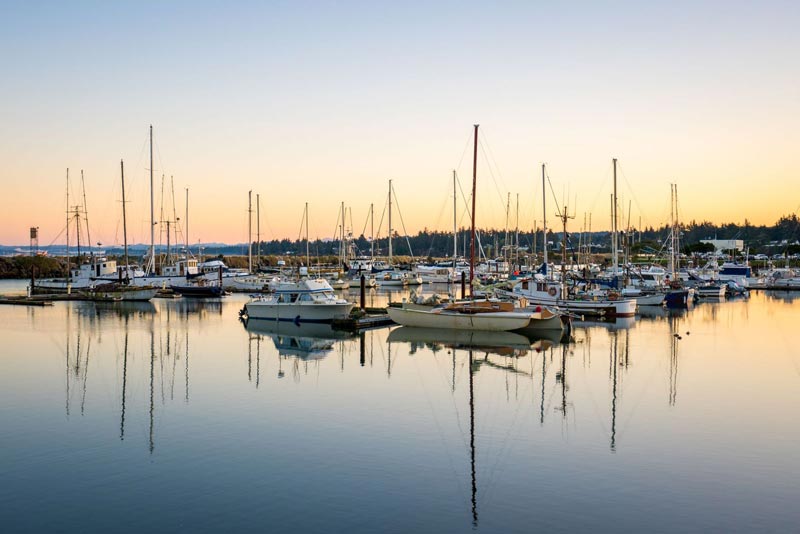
471 315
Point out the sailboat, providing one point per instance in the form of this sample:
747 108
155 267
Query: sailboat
468 315
123 290
542 290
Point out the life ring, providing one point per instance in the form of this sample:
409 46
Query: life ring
552 291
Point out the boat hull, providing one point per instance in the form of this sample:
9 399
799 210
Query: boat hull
491 321
298 312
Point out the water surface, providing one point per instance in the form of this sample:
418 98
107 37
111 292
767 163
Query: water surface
175 416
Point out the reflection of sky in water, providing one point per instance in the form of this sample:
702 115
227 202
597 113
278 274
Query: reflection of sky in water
225 427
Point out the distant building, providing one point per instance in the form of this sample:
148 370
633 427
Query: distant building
721 245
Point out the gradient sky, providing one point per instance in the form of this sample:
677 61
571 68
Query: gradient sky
323 102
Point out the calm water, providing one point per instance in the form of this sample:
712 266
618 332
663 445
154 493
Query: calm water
173 416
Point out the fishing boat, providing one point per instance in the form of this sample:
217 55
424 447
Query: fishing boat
303 301
548 293
119 293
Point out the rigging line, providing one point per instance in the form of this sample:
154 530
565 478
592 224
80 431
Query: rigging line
491 159
402 223
602 188
466 146
635 199
555 198
494 180
366 221
442 438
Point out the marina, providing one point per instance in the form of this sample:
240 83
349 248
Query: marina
415 267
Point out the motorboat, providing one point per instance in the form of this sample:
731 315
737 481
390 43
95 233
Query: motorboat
306 300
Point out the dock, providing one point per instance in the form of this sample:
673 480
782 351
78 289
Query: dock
24 301
371 318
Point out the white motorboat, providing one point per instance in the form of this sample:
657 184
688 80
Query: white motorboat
303 301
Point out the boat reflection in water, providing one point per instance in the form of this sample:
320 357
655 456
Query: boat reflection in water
613 324
502 343
301 342
307 341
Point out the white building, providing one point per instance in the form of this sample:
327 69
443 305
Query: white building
722 245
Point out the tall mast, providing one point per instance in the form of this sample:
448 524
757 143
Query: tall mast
372 232
68 217
151 265
308 256
86 217
258 230
455 232
672 229
390 222
614 235
342 246
186 223
544 222
474 187
250 231
677 234
516 235
124 222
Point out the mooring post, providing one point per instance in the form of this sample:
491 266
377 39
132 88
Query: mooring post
363 294
362 337
33 280
463 285
219 275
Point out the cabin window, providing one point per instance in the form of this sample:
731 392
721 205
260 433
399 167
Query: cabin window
305 298
525 284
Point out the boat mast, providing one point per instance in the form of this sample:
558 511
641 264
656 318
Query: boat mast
68 273
544 222
516 235
455 232
186 223
258 230
342 246
151 265
308 256
614 236
86 218
250 231
390 222
474 187
677 234
372 233
124 225
672 229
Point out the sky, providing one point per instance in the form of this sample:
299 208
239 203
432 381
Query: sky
325 102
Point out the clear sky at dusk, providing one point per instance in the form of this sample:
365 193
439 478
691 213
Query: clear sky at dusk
323 102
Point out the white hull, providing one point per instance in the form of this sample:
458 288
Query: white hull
127 294
490 321
656 299
298 312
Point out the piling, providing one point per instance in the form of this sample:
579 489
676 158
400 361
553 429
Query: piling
463 285
363 292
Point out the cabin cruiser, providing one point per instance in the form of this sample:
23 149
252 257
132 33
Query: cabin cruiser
306 300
